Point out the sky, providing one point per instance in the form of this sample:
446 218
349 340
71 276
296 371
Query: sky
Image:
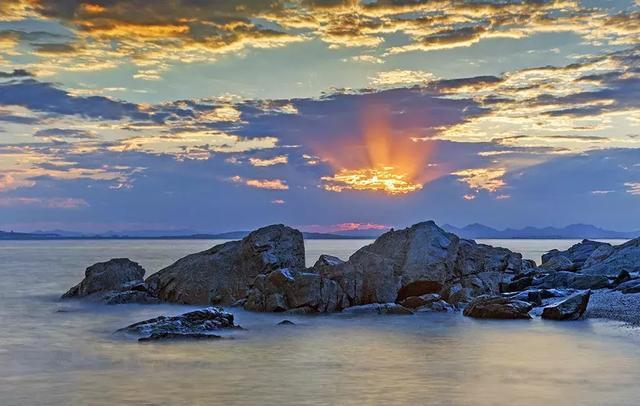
326 115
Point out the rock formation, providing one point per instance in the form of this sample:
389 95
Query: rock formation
571 308
498 307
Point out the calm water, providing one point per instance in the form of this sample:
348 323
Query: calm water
62 353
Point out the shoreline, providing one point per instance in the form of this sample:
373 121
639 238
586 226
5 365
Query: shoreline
614 305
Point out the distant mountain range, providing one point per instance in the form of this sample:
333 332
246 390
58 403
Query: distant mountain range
574 231
471 231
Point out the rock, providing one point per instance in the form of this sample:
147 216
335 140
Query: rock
414 302
117 281
631 289
324 263
625 257
571 308
301 311
284 289
378 308
201 321
577 254
558 263
516 285
114 275
622 277
598 255
179 336
222 274
497 307
627 284
286 323
533 296
572 280
437 306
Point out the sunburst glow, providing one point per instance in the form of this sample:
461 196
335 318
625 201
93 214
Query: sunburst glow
383 179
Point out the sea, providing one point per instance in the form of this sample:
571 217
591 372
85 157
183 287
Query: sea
55 352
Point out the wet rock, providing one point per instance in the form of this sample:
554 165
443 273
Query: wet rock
437 306
572 280
222 274
498 307
577 254
201 321
179 337
128 297
414 302
378 308
571 308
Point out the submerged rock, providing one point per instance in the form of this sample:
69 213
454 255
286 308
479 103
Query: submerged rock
186 325
116 281
378 308
222 274
571 308
498 307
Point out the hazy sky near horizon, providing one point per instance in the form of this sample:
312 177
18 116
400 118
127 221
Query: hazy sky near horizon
322 114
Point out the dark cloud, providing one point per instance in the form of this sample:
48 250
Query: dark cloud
64 133
17 73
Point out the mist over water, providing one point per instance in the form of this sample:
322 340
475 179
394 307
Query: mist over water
61 353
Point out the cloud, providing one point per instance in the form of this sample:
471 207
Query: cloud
16 73
49 203
633 188
489 179
65 133
399 77
276 160
350 226
270 184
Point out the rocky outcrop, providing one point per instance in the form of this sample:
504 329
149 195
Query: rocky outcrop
571 308
498 307
558 263
422 259
578 254
116 281
222 274
625 257
197 324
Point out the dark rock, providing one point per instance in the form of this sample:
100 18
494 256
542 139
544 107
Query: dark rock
418 288
114 275
497 307
577 254
129 296
222 274
622 277
378 308
516 285
571 308
324 263
625 257
286 323
414 302
201 321
558 263
533 296
436 306
179 337
572 280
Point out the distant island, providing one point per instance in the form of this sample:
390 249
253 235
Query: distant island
471 231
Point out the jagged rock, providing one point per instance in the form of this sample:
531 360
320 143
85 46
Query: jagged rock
497 307
571 308
516 285
116 281
413 302
577 254
598 255
188 325
558 263
436 306
572 280
222 274
625 257
378 308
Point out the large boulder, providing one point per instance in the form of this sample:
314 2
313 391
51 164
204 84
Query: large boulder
577 254
558 263
498 307
571 280
222 274
571 308
116 281
195 325
420 260
625 257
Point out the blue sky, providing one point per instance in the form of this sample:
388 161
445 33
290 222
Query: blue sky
325 115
